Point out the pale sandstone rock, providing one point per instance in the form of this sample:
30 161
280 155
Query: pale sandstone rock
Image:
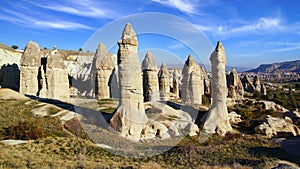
256 83
55 83
160 130
130 118
164 82
217 120
235 86
103 66
234 118
29 69
192 82
248 84
273 125
176 81
206 82
263 89
150 78
177 121
269 105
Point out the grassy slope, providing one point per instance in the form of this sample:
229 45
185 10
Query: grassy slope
54 148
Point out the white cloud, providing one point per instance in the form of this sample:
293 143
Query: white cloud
262 24
61 25
29 21
185 6
203 27
85 8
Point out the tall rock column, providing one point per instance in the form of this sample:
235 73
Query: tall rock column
103 65
130 118
192 82
256 83
29 69
56 76
217 119
176 83
164 82
150 79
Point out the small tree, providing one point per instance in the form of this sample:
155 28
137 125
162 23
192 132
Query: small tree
14 47
80 49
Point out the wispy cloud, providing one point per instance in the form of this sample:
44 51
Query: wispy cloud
185 6
281 47
175 45
85 8
203 27
21 19
262 24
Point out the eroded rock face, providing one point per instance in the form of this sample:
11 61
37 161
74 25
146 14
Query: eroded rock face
269 105
247 84
192 82
130 118
234 118
217 120
175 121
103 67
235 86
273 125
150 79
256 83
164 82
206 82
176 82
29 69
54 82
263 89
43 75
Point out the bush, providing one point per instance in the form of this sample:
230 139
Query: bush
26 130
206 100
15 47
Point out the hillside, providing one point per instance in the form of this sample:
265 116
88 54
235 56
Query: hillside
290 66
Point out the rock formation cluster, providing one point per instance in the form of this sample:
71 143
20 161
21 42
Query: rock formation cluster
274 125
248 84
141 87
217 119
43 75
235 86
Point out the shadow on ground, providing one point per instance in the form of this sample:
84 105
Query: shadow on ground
98 118
275 152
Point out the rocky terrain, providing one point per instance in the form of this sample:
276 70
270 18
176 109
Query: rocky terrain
89 110
282 67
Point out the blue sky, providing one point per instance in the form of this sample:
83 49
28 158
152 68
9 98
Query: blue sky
253 32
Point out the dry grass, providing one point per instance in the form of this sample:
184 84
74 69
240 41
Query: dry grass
232 151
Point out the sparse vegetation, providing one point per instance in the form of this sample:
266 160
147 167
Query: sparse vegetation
56 148
289 98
